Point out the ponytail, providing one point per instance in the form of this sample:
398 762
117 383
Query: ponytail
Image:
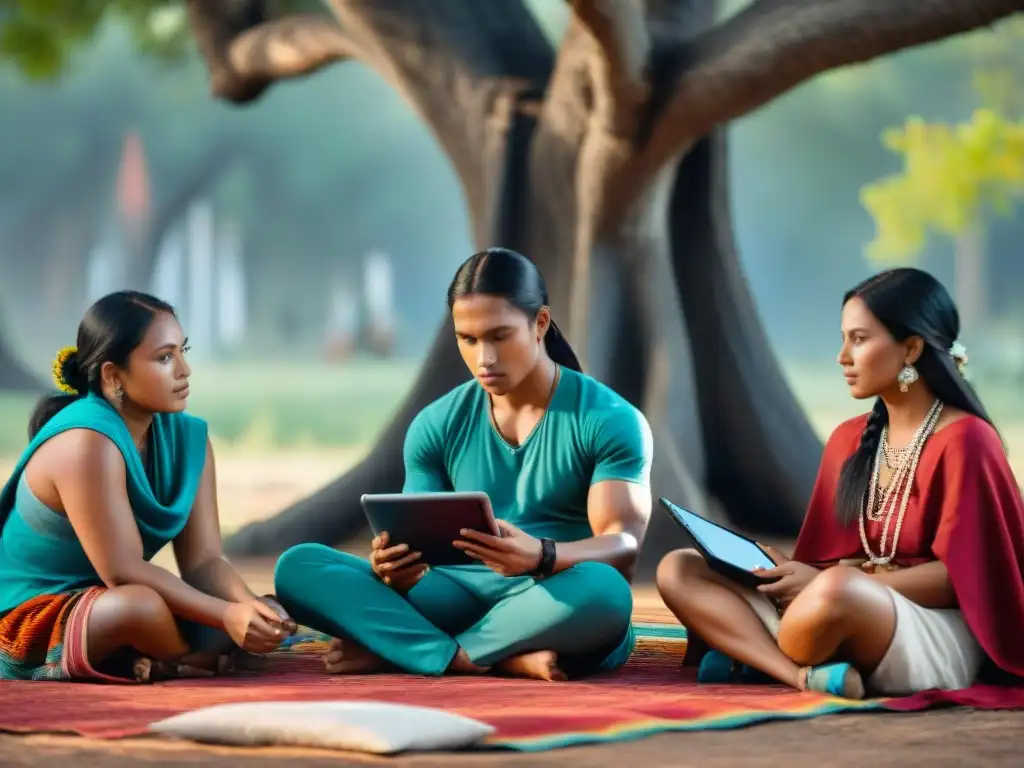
559 349
48 407
70 379
513 277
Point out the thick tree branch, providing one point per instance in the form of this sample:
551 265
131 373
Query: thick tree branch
619 66
289 47
774 45
676 21
246 51
455 62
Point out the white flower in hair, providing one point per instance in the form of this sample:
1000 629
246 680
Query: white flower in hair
959 353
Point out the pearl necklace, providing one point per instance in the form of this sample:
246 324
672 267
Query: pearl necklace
896 459
898 490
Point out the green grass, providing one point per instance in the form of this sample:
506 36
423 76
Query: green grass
272 406
281 405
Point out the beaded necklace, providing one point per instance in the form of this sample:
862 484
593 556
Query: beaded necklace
882 504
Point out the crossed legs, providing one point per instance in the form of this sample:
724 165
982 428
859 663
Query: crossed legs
478 617
137 617
842 615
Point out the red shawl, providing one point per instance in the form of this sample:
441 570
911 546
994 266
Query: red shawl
965 509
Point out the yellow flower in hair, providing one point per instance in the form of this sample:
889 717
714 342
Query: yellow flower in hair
58 370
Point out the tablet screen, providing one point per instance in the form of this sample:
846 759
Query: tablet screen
723 543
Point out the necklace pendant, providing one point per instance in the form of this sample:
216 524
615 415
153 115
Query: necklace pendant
875 566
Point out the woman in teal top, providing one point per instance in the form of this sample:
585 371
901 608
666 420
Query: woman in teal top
115 470
566 464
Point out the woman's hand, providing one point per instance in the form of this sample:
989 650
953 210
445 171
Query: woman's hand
395 566
514 553
251 626
284 621
792 577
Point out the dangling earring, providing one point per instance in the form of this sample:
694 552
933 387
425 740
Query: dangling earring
907 377
118 394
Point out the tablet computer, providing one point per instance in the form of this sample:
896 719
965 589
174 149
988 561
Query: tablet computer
727 553
429 522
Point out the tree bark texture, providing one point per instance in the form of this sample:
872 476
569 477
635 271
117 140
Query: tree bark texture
604 162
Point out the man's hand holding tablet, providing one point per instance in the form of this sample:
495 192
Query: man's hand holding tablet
514 553
413 531
395 565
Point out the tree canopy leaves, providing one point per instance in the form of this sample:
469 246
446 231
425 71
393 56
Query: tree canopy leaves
955 174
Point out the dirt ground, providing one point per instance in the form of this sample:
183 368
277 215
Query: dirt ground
253 487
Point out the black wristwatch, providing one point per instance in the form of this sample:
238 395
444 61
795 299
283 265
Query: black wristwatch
547 559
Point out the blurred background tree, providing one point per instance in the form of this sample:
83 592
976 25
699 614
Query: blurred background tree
317 176
956 177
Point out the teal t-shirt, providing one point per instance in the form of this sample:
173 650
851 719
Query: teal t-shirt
587 435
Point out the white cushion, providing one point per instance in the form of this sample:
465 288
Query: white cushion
364 726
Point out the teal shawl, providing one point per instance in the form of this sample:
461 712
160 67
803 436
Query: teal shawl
39 551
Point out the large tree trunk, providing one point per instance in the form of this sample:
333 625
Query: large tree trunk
762 452
633 278
595 167
529 201
492 179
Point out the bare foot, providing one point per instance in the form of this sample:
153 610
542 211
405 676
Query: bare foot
345 657
538 665
147 670
463 665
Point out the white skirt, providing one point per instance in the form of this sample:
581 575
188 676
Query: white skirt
931 649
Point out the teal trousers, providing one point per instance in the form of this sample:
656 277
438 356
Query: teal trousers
582 613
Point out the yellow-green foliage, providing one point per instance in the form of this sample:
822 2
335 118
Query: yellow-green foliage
955 175
952 174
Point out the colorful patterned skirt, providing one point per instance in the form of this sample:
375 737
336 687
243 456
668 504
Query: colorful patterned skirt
45 639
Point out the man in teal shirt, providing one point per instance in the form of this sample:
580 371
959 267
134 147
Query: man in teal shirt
566 464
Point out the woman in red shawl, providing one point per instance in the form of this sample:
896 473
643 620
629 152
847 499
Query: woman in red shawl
907 573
